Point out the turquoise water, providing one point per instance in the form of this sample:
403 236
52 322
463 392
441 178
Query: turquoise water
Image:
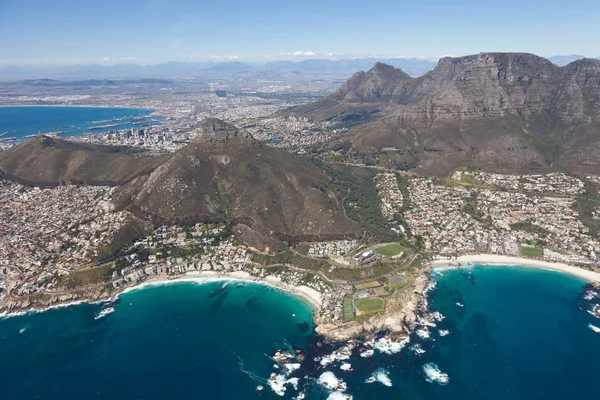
516 333
522 334
19 122
176 341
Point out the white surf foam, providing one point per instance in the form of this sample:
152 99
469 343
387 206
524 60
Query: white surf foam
590 295
417 349
5 315
339 396
279 382
382 376
293 382
444 332
367 353
423 333
433 374
104 312
424 321
594 328
387 346
292 367
340 354
329 381
438 316
439 270
346 366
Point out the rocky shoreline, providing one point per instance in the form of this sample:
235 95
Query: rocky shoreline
45 301
398 322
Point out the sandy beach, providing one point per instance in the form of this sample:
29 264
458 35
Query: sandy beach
307 293
507 260
313 297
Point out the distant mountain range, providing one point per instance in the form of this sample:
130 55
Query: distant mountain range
173 70
500 111
561 61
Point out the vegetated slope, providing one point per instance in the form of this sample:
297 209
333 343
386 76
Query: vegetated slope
221 176
51 161
276 193
503 111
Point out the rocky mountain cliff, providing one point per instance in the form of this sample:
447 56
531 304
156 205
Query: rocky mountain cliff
507 111
360 97
216 130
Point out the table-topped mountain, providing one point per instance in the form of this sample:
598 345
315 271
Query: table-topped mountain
504 111
235 179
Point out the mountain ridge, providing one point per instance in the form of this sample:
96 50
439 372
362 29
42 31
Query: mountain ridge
271 196
199 69
512 111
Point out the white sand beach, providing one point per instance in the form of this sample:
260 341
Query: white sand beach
508 260
313 297
307 293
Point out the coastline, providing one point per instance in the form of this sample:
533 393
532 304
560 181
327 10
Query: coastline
494 259
77 105
305 293
308 294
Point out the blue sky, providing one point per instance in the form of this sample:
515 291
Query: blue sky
153 31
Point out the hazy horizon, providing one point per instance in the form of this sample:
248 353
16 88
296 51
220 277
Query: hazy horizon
75 32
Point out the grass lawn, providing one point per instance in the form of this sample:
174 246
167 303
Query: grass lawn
406 279
390 250
529 251
466 178
348 309
369 306
367 285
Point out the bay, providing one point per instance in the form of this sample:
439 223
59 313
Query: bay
21 121
512 333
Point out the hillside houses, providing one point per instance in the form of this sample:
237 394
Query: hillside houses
466 219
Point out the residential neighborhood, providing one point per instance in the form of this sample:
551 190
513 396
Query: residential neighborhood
466 219
50 233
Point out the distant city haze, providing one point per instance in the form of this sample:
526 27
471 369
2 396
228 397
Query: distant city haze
84 32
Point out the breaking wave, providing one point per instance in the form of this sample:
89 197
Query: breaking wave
433 374
382 376
104 312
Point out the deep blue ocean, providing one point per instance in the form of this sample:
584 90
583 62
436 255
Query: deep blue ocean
19 122
513 333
